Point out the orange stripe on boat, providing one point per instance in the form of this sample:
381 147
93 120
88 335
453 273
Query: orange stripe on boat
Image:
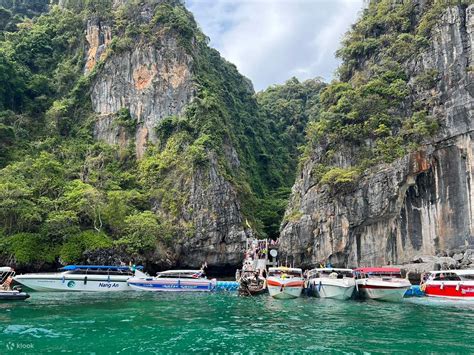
288 284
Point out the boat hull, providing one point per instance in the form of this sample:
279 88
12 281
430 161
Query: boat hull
451 290
13 296
74 284
251 291
281 289
331 289
383 290
173 285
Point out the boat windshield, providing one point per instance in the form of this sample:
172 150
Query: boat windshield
467 277
333 274
379 275
447 276
284 273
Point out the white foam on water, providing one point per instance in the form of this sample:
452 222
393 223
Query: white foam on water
31 331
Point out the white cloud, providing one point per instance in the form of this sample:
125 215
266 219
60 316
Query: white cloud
272 40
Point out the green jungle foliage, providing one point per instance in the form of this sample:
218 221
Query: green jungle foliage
63 194
25 8
288 109
372 110
14 12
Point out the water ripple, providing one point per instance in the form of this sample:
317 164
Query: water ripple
31 331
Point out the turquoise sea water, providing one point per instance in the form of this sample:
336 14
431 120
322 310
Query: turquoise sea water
224 322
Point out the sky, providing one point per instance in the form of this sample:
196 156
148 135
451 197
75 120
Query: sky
271 41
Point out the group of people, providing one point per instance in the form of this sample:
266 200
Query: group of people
261 252
259 249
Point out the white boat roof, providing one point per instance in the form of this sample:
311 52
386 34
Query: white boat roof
284 268
5 269
458 272
330 269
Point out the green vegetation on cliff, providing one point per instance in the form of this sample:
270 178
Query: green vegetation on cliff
62 193
288 109
374 113
13 12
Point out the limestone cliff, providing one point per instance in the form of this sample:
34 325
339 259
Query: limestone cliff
144 68
421 203
151 79
151 83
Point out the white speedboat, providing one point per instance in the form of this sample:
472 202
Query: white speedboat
174 280
97 278
451 284
285 282
7 293
384 283
332 283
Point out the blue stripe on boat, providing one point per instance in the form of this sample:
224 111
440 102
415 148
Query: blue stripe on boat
99 267
173 286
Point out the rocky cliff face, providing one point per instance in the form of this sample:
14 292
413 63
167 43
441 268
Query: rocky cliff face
422 203
217 217
149 80
151 83
153 79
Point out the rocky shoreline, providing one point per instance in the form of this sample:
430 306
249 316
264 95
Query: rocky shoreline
452 260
